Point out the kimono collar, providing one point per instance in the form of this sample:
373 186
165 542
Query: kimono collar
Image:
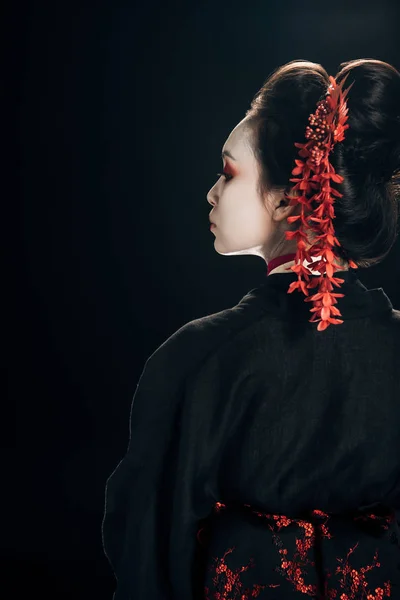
358 300
279 260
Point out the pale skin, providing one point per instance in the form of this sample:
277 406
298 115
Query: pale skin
245 222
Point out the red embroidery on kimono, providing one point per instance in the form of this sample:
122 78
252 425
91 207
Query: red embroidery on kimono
228 584
352 585
354 582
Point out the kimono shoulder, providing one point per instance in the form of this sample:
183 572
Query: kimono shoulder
197 339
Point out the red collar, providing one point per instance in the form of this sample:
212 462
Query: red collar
279 260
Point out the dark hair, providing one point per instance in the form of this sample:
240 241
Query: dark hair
366 217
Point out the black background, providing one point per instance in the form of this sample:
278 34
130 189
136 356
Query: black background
118 113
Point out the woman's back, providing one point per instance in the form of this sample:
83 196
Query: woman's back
310 475
256 439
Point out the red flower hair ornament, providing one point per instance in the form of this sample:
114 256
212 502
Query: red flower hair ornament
315 176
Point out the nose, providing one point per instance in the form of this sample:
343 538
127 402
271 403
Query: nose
211 196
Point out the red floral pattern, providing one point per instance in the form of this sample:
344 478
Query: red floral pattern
352 584
315 175
227 582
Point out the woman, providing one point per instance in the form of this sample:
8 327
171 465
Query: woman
264 453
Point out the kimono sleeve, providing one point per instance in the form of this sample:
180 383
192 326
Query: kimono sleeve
153 499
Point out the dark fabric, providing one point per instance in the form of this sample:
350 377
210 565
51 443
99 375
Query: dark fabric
264 455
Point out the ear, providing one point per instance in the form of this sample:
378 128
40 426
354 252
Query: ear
282 207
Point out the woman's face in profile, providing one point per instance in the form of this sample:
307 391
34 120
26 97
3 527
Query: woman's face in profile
243 220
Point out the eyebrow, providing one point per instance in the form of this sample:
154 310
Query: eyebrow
227 153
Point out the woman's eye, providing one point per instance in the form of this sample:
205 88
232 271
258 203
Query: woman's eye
226 175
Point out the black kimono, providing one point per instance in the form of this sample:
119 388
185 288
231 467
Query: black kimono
264 456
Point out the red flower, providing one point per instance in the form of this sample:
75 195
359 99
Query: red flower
316 174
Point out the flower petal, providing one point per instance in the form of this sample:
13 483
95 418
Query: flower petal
322 325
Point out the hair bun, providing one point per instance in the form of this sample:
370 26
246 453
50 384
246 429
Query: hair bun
372 143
